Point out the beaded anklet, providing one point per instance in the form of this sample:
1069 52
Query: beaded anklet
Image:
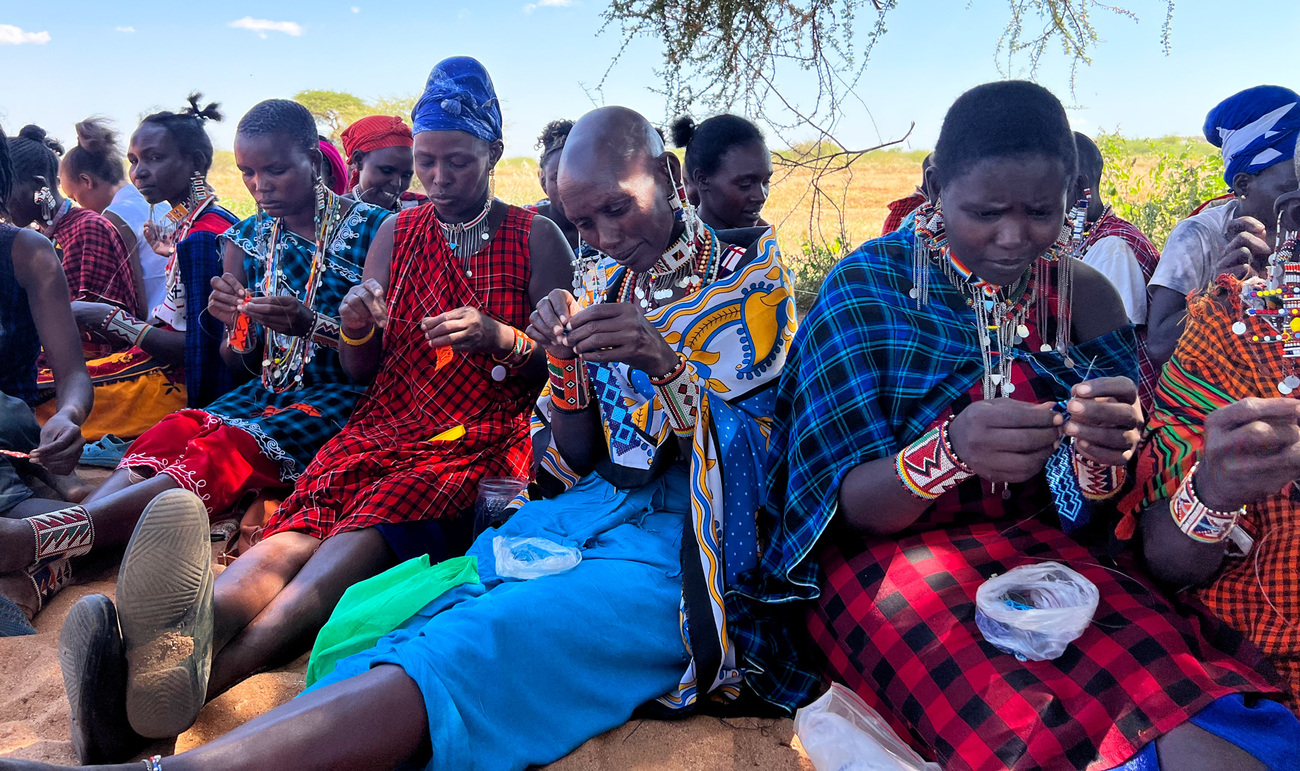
67 532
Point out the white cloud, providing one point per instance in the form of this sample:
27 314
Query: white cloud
13 36
263 26
355 9
547 4
127 30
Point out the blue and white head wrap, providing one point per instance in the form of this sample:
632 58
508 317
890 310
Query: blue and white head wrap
1256 129
459 96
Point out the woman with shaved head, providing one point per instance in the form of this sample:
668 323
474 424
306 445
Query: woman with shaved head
661 384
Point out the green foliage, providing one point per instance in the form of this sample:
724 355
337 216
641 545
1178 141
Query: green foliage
335 109
1156 183
812 265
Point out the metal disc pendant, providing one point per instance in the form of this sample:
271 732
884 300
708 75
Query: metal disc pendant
1239 328
469 274
1022 331
498 373
1045 348
1009 388
1292 382
1284 389
485 236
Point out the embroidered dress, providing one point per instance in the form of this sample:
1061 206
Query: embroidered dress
893 617
291 425
19 343
94 259
1258 594
383 468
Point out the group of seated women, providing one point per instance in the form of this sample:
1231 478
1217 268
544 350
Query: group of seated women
761 504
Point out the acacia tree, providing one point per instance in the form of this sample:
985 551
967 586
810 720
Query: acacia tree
735 54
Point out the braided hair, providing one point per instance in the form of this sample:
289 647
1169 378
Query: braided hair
96 152
283 117
6 170
707 142
187 128
1001 120
553 137
34 153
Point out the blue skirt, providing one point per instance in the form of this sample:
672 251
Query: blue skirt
518 673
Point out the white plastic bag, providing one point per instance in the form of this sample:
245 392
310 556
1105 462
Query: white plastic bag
1035 611
840 733
519 557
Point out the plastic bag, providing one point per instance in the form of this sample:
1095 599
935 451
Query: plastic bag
519 557
840 733
1035 611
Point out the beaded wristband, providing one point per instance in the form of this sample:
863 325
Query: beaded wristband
1097 481
325 330
355 341
520 351
124 327
570 387
928 467
679 392
241 335
1197 520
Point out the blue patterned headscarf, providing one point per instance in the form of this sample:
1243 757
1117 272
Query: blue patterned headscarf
1256 129
459 96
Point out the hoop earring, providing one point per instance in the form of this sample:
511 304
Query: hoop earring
45 198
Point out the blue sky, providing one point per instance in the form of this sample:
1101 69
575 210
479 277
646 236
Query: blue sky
125 59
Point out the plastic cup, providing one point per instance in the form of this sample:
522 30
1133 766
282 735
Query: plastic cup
494 494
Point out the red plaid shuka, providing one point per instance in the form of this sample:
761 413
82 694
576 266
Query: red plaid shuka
896 623
383 468
898 211
94 259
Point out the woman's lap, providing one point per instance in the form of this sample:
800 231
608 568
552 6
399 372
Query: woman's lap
521 672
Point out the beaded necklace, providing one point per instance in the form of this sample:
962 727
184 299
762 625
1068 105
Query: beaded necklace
675 268
1275 300
286 356
467 239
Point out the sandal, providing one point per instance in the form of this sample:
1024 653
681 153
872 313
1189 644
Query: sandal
13 621
106 453
94 676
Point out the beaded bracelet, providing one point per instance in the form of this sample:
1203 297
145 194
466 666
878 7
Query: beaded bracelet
929 467
241 335
1197 520
1097 481
570 387
325 330
520 351
124 327
355 341
679 392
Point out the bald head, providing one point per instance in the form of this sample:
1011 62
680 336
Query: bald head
615 180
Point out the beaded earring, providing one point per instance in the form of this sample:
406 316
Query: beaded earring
45 197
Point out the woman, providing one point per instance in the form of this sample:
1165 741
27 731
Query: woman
307 243
1256 131
333 171
94 258
923 422
551 143
34 313
501 673
728 169
1220 449
92 175
172 358
378 150
454 380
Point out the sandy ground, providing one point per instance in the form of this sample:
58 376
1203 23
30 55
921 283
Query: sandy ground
34 710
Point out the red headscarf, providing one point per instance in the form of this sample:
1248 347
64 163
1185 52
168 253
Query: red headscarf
374 133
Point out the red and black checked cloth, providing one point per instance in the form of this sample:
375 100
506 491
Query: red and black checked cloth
382 468
896 623
94 259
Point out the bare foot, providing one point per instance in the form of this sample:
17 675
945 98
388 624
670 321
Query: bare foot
17 588
17 545
70 487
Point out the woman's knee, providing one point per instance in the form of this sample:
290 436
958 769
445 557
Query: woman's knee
1190 747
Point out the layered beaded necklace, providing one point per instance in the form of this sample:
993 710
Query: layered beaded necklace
466 239
1000 314
588 279
286 356
1275 300
692 262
